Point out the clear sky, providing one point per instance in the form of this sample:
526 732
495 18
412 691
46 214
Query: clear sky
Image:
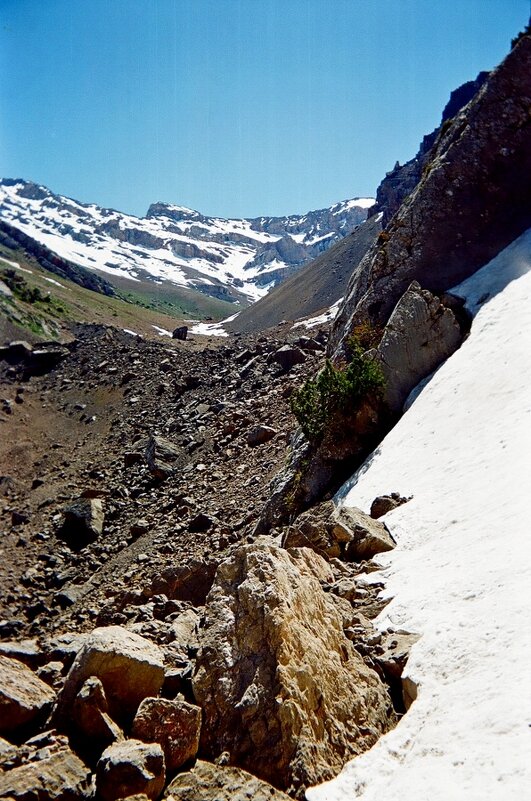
232 107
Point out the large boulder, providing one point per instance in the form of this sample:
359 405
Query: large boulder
282 689
128 768
83 521
129 667
208 782
175 725
50 771
420 335
24 698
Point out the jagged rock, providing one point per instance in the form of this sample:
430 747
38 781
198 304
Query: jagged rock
162 457
288 356
208 782
185 627
8 753
90 718
259 434
338 533
83 521
386 503
471 202
53 774
129 667
128 768
368 536
24 698
421 333
319 530
181 332
393 652
282 689
175 725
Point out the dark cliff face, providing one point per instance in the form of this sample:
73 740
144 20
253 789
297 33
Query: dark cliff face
472 200
402 180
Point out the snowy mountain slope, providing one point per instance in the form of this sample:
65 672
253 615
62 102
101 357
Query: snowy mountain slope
461 573
228 259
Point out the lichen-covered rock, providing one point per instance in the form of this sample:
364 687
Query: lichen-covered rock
129 667
282 689
24 698
175 725
130 767
208 782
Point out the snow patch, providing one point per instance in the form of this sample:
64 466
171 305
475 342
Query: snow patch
461 572
321 319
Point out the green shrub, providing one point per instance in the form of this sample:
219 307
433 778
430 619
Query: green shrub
335 390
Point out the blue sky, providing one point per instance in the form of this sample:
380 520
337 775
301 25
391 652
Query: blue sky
232 107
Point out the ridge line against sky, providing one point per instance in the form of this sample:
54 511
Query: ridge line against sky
236 108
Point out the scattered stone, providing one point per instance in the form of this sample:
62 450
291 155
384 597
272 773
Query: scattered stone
259 434
175 725
282 689
24 698
128 768
208 782
162 457
129 667
83 521
288 356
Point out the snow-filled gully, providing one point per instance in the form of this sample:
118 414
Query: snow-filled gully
460 574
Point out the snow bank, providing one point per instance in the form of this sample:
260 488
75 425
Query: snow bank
321 319
461 573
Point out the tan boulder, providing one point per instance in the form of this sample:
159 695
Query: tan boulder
129 667
128 768
282 689
24 698
175 725
208 782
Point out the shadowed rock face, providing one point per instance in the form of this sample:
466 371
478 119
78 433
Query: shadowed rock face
472 201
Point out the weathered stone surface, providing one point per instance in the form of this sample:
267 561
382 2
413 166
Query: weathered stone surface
420 335
24 698
338 533
386 503
282 689
288 356
368 536
26 651
162 457
128 768
59 775
208 782
83 521
90 716
181 332
129 667
175 725
259 434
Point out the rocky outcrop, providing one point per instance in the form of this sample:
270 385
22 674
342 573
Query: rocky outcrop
472 200
129 667
208 782
420 335
282 689
342 533
24 698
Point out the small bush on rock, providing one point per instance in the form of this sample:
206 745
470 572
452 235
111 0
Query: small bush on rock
335 390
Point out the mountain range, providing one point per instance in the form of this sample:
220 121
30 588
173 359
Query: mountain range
237 260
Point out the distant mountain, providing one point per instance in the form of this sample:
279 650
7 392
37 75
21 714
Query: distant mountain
235 260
